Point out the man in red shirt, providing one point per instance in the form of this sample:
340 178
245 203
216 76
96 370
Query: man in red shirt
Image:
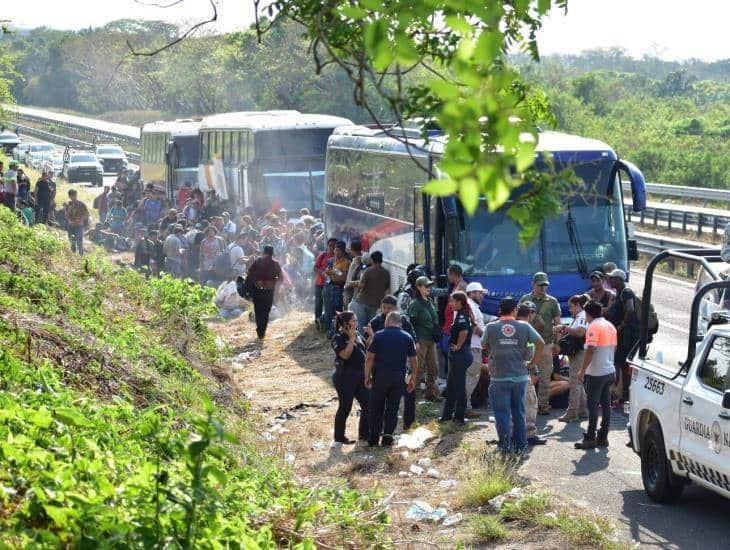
320 265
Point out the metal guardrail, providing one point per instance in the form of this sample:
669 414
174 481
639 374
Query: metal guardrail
700 193
673 217
64 140
653 244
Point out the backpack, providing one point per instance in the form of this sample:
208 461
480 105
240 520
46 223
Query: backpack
653 322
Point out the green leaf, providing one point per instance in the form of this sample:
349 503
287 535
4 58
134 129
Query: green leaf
440 188
70 417
469 195
373 5
197 447
543 6
443 89
58 515
525 156
353 12
41 418
497 192
376 43
405 51
459 24
488 47
216 474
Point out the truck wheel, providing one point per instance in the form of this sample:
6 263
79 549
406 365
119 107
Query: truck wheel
660 483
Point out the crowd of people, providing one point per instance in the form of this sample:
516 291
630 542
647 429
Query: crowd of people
525 362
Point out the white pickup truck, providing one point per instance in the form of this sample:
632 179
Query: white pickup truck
679 420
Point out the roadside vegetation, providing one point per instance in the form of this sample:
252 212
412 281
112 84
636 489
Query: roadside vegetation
119 428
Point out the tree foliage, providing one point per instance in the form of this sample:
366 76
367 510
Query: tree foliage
470 92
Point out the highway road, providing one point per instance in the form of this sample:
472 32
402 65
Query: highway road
608 482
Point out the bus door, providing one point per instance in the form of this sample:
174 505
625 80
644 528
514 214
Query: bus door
172 162
422 241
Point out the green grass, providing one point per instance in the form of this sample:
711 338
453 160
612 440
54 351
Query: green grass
486 476
488 529
527 509
111 435
581 530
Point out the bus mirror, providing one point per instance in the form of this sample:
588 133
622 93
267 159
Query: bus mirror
726 400
638 184
633 250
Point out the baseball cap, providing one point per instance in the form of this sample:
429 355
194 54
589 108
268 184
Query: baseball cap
529 304
597 275
617 274
540 278
424 281
475 286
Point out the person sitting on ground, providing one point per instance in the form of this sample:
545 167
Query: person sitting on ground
349 377
385 373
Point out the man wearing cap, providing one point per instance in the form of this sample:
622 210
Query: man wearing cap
598 292
548 316
526 312
624 315
266 272
425 321
475 293
506 341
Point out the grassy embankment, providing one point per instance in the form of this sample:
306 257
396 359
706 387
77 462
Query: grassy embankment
118 428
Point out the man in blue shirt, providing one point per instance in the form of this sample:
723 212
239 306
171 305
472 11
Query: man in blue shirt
385 374
506 342
377 323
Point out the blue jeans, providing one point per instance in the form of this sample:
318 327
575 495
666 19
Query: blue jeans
508 404
332 304
76 237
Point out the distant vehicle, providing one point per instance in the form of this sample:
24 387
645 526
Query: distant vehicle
54 163
267 160
82 167
37 151
19 151
170 153
112 157
8 140
679 420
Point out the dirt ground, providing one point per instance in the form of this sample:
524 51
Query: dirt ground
289 377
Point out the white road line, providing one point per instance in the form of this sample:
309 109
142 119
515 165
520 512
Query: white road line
665 278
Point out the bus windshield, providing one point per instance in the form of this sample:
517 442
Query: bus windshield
188 151
589 232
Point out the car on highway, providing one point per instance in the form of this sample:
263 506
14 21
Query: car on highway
20 149
82 166
37 151
8 140
54 163
112 157
679 420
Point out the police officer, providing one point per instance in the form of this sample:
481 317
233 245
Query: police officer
460 358
385 373
266 272
349 376
377 323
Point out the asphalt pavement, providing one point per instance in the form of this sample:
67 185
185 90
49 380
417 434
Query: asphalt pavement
608 481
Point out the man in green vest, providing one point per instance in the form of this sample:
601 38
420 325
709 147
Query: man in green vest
548 316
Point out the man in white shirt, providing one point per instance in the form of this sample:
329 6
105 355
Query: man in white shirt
238 256
475 292
229 227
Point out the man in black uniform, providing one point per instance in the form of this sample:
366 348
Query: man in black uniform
45 192
377 324
385 373
266 272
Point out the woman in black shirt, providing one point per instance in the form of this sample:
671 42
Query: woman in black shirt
349 376
460 357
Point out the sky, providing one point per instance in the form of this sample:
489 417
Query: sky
670 29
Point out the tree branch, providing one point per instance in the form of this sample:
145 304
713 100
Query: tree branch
151 53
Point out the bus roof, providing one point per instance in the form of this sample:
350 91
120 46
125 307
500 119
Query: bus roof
376 139
179 127
272 120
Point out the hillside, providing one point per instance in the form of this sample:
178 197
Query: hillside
120 428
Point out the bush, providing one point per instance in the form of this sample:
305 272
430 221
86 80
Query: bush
485 477
488 529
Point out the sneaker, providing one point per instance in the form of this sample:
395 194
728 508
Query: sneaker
569 418
536 440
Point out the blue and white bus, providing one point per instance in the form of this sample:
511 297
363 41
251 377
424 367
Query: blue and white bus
374 193
267 160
